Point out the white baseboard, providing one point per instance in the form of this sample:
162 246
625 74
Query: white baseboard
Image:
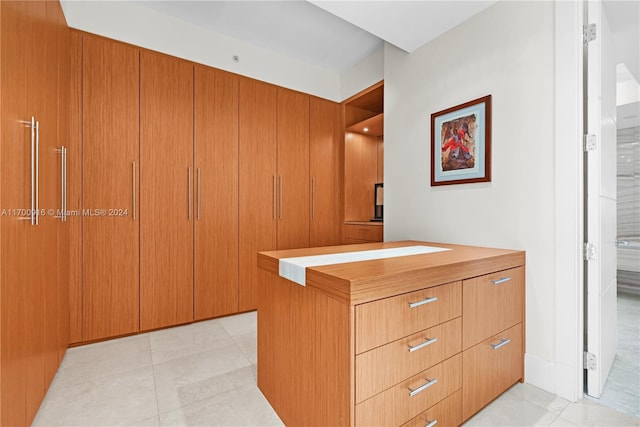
540 373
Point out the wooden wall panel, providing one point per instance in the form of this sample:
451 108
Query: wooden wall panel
110 243
216 224
325 169
166 186
257 183
360 175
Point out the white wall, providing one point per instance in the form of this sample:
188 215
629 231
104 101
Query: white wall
127 22
363 74
506 51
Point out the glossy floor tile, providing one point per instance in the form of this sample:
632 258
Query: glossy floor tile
204 374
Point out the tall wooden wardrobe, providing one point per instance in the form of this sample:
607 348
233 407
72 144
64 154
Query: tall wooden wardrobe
34 248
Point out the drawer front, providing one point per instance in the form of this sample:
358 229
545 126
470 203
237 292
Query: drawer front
372 233
406 400
380 322
447 413
491 303
382 367
490 368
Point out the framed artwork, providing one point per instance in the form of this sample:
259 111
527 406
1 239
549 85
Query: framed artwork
461 143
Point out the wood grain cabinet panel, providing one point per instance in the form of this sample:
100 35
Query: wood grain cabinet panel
446 413
325 160
216 193
110 167
293 169
406 400
389 319
258 183
491 303
369 233
32 77
490 368
166 191
382 367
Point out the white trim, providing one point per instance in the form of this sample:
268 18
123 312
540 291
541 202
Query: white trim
569 202
536 372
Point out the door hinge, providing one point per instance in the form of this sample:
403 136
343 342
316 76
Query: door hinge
589 361
588 33
589 251
590 142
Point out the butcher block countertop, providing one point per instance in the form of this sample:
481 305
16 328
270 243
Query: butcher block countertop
364 281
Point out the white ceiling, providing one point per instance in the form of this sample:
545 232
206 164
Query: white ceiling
330 34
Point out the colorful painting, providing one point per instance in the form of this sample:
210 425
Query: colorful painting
460 143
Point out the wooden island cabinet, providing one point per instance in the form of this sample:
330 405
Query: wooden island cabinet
404 340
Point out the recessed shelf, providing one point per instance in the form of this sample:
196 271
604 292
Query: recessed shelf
374 126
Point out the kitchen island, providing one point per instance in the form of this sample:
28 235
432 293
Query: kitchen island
389 334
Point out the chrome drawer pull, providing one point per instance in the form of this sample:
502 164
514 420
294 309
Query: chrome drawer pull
432 423
421 345
422 387
501 344
424 301
504 279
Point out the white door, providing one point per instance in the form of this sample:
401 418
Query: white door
601 309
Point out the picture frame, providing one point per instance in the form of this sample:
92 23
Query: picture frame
461 143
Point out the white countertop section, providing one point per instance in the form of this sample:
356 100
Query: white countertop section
295 269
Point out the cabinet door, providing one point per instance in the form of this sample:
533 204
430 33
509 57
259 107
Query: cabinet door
15 195
257 182
216 224
325 145
166 186
110 82
293 169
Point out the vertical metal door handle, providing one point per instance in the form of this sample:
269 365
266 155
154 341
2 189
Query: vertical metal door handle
33 171
189 191
133 190
63 183
275 190
37 213
280 196
198 193
313 198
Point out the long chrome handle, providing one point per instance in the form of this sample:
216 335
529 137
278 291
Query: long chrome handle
500 344
504 279
429 341
280 196
432 423
63 180
133 190
275 190
423 387
37 213
313 198
198 193
424 301
189 192
33 171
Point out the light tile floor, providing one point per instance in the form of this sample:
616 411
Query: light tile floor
204 374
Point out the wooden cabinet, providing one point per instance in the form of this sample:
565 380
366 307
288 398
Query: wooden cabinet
166 187
363 232
380 342
33 78
325 160
110 167
492 336
292 134
216 193
258 182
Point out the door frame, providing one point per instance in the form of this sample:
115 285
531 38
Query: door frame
569 202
